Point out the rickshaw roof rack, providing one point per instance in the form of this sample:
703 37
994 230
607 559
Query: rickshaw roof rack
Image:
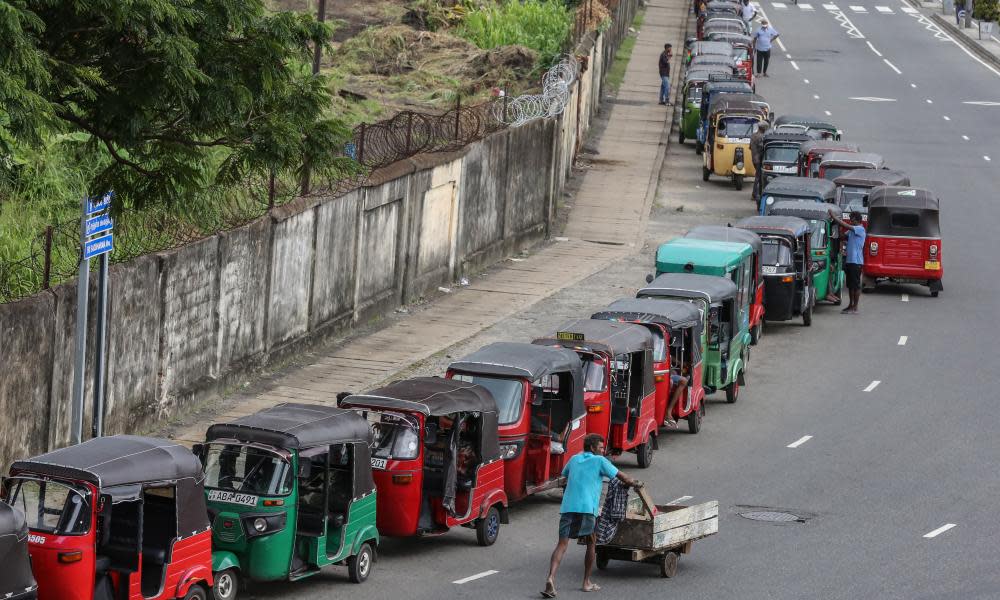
604 336
674 314
728 82
792 184
725 234
775 225
712 59
737 103
430 396
117 460
690 285
831 145
722 4
860 158
711 47
517 359
297 426
807 121
787 136
706 72
862 177
730 37
903 197
805 209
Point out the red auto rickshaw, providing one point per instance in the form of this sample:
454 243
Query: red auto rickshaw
542 418
676 329
812 152
720 233
119 517
435 457
904 238
618 387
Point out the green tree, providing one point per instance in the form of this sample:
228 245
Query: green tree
179 96
986 10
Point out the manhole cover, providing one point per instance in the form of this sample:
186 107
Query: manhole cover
772 516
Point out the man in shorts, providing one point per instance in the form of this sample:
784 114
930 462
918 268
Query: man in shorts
855 257
585 474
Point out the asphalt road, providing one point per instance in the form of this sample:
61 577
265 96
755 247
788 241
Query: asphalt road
883 467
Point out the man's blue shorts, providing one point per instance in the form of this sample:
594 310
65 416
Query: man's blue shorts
576 525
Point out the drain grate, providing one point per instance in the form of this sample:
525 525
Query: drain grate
772 516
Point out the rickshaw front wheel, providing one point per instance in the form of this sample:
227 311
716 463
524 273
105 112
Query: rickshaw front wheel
488 528
227 585
738 182
196 593
934 294
694 419
644 454
705 173
733 392
359 566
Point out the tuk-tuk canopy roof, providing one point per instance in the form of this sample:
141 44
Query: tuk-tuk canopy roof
723 5
708 47
16 575
804 209
904 212
775 225
903 197
786 137
810 122
725 234
513 359
827 146
805 186
703 73
117 460
430 396
712 59
690 253
738 103
673 314
602 336
731 85
690 285
853 158
873 178
729 37
717 23
298 426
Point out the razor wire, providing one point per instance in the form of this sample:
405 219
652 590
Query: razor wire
557 84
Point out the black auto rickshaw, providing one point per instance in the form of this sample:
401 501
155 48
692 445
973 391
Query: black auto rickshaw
797 188
824 245
825 129
853 188
781 154
16 579
788 270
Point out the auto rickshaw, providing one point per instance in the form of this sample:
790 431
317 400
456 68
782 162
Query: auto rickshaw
713 60
16 580
826 130
742 51
824 244
811 152
788 275
290 491
731 84
853 188
706 47
732 119
797 188
717 8
781 154
733 234
694 81
904 238
115 517
835 164
435 457
619 388
725 337
676 329
542 417
724 23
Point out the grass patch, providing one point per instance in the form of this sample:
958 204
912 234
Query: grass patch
542 25
616 74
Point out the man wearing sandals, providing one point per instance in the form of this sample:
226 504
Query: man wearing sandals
585 474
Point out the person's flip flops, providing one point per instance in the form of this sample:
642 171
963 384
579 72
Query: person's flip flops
593 588
549 591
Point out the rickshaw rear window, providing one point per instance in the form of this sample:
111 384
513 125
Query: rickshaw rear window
905 220
508 394
831 173
776 253
737 127
817 239
781 154
396 435
853 198
247 469
594 377
51 507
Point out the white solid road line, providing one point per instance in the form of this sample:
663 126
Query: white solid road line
679 500
892 66
871 99
904 297
939 530
982 103
902 340
799 441
872 385
781 45
475 577
877 53
794 66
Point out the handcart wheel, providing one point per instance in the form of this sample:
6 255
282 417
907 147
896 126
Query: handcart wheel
668 567
602 560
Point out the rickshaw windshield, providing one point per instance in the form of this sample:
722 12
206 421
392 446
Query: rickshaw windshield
788 154
694 95
247 469
50 506
737 127
853 198
775 253
817 236
594 376
508 393
396 435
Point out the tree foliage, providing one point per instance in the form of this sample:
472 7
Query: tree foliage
177 96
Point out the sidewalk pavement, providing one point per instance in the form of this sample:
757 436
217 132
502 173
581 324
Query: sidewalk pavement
987 45
607 222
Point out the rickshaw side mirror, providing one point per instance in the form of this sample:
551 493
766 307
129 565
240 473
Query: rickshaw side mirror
537 395
305 468
649 278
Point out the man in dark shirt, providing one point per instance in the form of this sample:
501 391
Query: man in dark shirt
665 57
757 155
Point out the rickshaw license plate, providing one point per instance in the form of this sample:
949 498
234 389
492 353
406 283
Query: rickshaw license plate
932 265
378 463
769 270
232 497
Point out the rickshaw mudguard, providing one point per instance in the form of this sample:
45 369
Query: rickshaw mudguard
194 576
494 498
368 533
224 559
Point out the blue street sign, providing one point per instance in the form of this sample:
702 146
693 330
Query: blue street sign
98 246
97 205
98 224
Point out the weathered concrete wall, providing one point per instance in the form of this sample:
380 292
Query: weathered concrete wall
188 322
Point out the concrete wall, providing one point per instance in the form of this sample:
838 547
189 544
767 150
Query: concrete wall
188 322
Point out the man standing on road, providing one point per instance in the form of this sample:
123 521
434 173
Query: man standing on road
757 156
762 44
584 475
855 257
665 57
748 11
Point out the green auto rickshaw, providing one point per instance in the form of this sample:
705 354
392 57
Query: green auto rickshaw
289 491
824 244
694 81
726 339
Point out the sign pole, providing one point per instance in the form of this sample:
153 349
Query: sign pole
80 363
97 429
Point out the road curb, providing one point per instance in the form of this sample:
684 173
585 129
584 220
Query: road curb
959 36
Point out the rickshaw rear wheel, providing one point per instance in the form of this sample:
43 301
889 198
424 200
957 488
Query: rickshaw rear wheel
359 566
807 317
602 560
694 419
488 528
196 593
644 454
227 585
668 567
934 294
738 182
733 392
705 173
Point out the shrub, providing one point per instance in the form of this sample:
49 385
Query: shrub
986 10
542 25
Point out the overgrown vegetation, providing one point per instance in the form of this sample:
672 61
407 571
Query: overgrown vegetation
542 25
986 10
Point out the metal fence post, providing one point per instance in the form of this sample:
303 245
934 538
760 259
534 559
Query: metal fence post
361 145
80 362
458 117
47 269
409 131
270 191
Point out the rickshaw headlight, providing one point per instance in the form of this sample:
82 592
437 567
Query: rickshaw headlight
260 525
769 200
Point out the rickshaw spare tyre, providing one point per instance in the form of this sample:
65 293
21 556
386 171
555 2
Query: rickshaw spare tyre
227 585
602 559
738 182
488 528
196 593
694 419
733 392
668 566
807 317
644 454
705 173
359 566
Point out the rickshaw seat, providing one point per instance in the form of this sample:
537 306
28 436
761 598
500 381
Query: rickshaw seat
154 556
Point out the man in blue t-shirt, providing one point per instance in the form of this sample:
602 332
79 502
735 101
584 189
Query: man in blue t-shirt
855 258
585 474
762 45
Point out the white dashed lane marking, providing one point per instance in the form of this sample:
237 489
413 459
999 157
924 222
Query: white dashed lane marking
804 6
799 441
908 10
679 500
986 158
794 66
872 385
859 9
831 7
779 5
902 340
913 85
939 530
946 117
475 577
965 137
806 80
828 113
929 101
884 10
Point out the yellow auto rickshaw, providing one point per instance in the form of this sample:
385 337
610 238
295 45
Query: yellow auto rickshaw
732 119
